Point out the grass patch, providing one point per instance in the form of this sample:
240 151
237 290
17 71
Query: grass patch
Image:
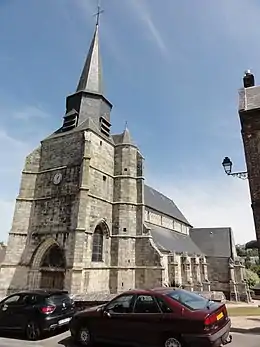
243 311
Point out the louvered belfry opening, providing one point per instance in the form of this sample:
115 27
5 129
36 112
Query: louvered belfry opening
104 126
70 120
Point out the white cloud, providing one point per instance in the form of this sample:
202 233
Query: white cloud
142 12
12 153
213 203
30 112
6 216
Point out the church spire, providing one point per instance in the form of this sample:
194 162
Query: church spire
88 107
91 76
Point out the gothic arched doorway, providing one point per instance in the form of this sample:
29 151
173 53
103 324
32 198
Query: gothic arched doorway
52 268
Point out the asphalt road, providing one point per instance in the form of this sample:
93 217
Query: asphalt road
63 340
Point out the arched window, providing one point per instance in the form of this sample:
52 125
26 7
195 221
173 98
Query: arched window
97 245
54 258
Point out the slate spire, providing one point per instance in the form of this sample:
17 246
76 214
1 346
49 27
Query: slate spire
126 137
91 76
88 107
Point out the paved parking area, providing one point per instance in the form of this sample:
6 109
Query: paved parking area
63 340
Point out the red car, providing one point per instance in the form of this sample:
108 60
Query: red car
165 317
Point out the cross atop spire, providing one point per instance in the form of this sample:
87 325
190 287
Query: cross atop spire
99 12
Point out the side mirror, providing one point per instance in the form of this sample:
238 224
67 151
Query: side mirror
107 314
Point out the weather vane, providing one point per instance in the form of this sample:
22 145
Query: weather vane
99 11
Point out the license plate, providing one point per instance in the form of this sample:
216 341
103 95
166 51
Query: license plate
219 316
64 321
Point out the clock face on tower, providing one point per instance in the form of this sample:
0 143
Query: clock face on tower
57 178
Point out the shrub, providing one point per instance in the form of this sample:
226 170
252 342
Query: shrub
255 268
252 278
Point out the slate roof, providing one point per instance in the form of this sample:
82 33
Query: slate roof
124 138
161 203
169 240
91 76
214 242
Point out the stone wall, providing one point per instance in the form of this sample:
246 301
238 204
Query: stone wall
97 195
228 276
249 114
160 219
11 273
127 215
186 271
44 210
219 274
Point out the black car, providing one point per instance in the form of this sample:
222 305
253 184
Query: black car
36 311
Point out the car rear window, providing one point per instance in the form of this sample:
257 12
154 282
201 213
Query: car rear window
58 298
191 300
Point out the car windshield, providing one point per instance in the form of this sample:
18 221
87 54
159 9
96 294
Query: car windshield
191 300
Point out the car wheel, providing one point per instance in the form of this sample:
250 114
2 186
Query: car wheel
84 337
172 342
32 331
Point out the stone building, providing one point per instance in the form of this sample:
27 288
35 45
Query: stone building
249 114
2 252
84 219
226 272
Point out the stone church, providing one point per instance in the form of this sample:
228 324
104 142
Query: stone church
86 221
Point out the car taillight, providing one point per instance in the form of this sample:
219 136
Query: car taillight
47 309
215 318
210 320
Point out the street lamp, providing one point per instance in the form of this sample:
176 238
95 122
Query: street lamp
227 165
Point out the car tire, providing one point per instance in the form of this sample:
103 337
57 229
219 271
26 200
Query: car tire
32 331
84 337
172 342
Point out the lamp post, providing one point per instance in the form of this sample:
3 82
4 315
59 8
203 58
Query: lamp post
227 165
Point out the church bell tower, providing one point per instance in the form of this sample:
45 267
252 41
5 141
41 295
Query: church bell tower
66 193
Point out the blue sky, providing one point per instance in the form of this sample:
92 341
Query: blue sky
171 69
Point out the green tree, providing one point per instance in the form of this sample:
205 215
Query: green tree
241 251
248 263
252 278
255 268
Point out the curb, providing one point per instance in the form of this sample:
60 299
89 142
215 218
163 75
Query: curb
252 331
